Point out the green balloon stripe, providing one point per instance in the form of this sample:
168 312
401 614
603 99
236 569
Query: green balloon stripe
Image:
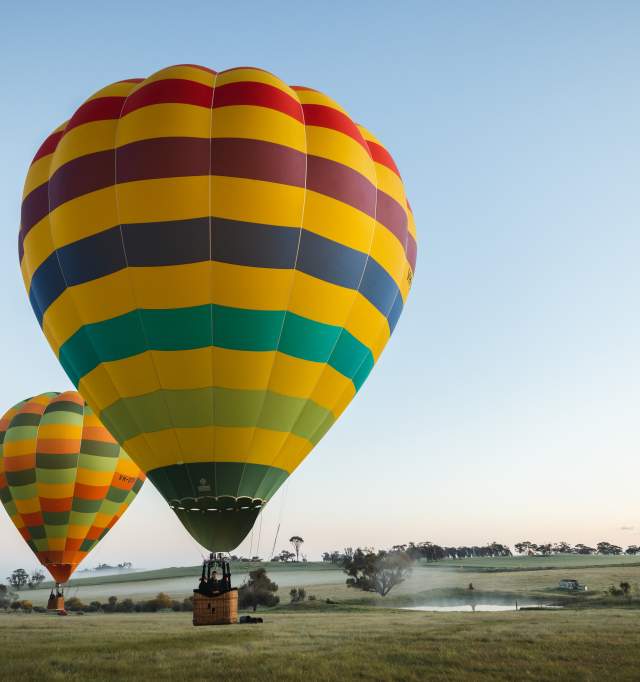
234 328
226 479
56 461
208 406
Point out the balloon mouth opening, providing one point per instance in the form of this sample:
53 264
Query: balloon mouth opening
60 572
219 524
223 503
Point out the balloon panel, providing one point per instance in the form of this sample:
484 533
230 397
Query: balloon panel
217 260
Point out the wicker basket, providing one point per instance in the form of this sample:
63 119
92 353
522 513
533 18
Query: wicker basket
221 609
55 603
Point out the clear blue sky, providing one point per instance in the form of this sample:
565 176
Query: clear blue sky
506 405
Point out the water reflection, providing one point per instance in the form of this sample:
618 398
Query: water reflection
467 607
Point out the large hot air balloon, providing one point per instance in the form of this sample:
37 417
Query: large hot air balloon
64 480
217 260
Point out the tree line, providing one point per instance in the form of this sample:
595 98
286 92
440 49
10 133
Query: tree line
430 551
603 547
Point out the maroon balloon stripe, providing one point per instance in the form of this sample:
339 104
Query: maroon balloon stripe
35 206
230 157
81 176
412 251
257 160
340 182
392 215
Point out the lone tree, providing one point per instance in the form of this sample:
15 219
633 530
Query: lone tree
37 577
379 572
18 579
259 590
297 542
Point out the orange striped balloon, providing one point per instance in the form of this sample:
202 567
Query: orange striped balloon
64 480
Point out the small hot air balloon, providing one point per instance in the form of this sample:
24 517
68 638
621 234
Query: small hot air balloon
217 260
64 480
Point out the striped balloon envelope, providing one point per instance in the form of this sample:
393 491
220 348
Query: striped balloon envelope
217 260
64 480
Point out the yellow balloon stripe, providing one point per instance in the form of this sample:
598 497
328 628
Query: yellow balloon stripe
222 444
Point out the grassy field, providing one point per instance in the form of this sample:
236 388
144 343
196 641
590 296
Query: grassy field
361 636
532 563
343 644
190 571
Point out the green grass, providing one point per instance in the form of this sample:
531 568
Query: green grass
529 563
364 644
596 638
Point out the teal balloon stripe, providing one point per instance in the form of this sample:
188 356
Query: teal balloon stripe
234 328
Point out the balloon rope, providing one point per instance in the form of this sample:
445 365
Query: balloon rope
275 539
259 536
284 497
251 545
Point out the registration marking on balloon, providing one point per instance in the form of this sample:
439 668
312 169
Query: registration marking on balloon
217 260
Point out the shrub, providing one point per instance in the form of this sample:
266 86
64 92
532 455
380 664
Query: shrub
297 594
23 605
259 590
126 606
161 601
74 604
111 606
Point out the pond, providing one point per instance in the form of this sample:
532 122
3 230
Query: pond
465 607
477 607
